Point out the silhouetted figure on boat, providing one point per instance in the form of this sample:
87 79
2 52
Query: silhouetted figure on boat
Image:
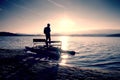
47 31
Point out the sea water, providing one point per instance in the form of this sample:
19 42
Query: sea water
92 52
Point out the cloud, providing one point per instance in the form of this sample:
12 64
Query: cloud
57 4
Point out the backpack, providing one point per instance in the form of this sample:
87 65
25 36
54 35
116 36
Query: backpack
45 30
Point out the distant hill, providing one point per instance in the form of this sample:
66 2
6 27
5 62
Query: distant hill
98 35
87 35
16 34
8 34
114 35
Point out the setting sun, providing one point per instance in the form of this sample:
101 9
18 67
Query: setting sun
66 25
66 22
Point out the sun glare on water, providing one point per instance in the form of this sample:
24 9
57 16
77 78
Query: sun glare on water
64 40
64 56
64 60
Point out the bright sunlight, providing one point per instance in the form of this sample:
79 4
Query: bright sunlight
66 25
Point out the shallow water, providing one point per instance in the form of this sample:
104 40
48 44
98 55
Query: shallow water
92 52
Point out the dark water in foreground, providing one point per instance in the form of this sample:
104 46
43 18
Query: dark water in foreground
92 52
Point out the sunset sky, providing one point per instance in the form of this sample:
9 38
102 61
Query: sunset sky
65 16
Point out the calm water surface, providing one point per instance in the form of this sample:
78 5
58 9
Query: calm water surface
92 52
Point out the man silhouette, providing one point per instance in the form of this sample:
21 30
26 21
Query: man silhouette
47 31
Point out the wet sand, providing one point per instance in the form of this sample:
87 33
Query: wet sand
15 64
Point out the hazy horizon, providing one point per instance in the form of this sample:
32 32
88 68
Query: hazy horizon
65 16
92 32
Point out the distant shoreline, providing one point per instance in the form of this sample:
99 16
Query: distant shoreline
79 35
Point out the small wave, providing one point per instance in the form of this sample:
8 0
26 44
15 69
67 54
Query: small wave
107 65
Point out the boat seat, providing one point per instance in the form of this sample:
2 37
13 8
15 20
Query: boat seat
42 42
38 42
55 44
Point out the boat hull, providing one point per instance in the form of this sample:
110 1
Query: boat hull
50 53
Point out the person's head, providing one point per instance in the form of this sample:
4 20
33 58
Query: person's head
48 25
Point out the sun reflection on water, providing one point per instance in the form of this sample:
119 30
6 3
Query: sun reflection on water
64 56
62 62
64 40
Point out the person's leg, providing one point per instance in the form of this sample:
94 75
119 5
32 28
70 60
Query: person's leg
46 40
49 38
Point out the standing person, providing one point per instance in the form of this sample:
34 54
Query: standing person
47 31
